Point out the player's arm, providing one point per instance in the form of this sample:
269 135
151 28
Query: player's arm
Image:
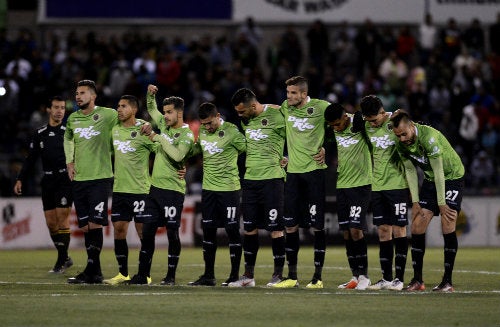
69 152
239 141
177 153
152 106
412 179
33 154
196 149
437 167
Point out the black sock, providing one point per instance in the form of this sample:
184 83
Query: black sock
278 245
401 252
450 252
250 249
417 255
59 245
121 254
235 251
361 251
292 245
351 256
147 249
95 240
319 253
174 251
209 251
386 253
65 236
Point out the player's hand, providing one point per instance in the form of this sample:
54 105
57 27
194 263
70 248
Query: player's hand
151 135
146 129
71 170
18 188
284 162
416 210
152 89
320 156
447 213
181 172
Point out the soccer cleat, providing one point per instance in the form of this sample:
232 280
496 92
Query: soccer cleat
57 269
244 281
396 285
68 263
83 278
168 281
444 287
363 282
274 280
203 281
380 285
140 280
229 280
415 285
118 279
350 284
315 283
287 283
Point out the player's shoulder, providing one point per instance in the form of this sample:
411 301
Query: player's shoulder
274 106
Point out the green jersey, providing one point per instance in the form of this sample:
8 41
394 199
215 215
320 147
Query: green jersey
265 135
354 159
305 134
131 159
87 143
431 144
388 170
220 155
175 144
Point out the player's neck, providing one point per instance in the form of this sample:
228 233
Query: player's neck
54 123
129 122
89 109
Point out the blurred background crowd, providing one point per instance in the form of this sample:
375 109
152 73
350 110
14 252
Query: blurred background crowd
445 75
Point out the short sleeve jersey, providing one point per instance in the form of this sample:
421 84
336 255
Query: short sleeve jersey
91 135
265 135
220 155
131 159
305 134
430 143
354 159
388 170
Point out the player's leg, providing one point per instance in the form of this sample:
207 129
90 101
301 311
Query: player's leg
292 210
230 203
172 214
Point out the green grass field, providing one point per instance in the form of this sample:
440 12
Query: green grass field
29 296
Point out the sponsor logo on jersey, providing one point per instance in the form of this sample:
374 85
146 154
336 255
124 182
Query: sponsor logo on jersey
382 142
210 147
123 147
87 133
422 159
346 141
300 123
256 134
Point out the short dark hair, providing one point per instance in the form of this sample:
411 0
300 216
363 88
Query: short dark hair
134 102
55 98
89 83
334 111
206 110
370 105
399 116
177 102
244 96
300 81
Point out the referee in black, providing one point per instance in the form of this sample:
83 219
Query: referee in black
47 143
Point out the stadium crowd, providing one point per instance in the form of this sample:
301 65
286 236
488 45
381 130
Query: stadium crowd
445 75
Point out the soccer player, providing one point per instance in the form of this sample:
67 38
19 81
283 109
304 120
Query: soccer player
87 146
390 194
131 181
220 142
167 188
440 194
354 178
305 181
263 182
47 143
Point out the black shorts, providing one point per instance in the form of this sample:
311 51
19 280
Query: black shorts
390 207
57 191
262 204
220 209
128 207
352 205
454 190
165 207
305 199
91 201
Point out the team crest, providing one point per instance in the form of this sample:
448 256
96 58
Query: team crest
221 134
95 117
264 122
133 134
390 127
176 135
310 110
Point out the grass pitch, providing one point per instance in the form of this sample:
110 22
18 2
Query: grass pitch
29 296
